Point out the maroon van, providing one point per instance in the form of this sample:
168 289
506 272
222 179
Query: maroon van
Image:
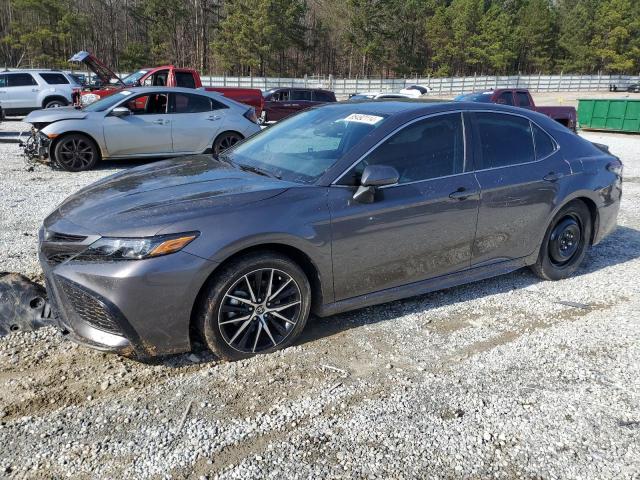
282 102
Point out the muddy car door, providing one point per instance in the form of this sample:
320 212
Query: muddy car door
521 173
195 121
145 130
420 228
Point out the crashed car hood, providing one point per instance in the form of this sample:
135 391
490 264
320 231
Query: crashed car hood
145 200
50 115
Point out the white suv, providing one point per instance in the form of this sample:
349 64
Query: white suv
22 91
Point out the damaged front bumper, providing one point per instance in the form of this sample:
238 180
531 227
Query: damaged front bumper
36 146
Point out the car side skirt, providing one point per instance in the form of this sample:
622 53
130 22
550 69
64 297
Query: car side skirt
425 286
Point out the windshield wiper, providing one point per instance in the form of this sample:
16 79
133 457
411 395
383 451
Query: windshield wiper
259 171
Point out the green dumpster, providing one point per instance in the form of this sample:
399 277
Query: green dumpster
616 115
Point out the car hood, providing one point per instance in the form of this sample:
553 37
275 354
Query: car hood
50 115
145 200
104 73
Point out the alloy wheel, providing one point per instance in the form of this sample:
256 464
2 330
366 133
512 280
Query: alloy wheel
75 154
227 141
260 310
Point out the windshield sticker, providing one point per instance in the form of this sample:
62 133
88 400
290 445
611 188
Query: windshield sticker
362 118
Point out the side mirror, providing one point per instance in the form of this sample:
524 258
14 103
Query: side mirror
375 176
120 112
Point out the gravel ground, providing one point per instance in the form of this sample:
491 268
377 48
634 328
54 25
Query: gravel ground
493 379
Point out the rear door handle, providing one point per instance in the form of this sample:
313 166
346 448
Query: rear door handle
462 194
213 118
552 177
161 122
35 90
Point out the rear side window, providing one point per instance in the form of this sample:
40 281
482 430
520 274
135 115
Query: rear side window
301 95
20 80
185 79
504 140
321 96
544 144
280 96
427 149
523 99
505 98
54 78
188 103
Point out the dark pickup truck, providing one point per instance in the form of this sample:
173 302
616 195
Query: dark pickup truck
519 97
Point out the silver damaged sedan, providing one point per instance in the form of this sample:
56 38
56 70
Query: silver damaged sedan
138 123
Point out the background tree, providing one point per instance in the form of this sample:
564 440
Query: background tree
321 37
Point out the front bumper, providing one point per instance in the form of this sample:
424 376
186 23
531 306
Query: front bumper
138 307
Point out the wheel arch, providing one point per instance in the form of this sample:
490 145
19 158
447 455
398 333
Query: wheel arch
48 98
591 204
297 255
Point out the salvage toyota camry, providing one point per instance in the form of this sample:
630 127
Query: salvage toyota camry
336 208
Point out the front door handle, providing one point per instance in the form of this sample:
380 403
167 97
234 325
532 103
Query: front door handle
552 177
35 90
462 194
161 122
213 118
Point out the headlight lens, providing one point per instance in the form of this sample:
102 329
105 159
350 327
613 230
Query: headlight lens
88 99
110 248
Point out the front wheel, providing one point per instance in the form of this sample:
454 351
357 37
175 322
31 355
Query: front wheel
258 304
566 242
76 152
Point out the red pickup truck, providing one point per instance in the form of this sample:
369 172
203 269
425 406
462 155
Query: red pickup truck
520 97
165 76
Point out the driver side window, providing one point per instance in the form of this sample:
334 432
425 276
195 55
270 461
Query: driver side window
424 150
149 104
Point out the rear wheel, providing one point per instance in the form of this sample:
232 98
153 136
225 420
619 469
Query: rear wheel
257 304
566 242
76 152
225 140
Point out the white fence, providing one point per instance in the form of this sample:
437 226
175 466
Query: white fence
441 86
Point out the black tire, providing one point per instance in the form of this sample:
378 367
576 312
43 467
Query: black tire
55 103
225 140
233 329
76 152
566 242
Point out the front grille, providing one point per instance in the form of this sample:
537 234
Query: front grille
90 309
58 258
64 237
60 247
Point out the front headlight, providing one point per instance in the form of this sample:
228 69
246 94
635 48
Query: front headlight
88 99
110 248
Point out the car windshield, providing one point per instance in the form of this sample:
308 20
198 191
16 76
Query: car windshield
302 148
107 102
134 77
475 97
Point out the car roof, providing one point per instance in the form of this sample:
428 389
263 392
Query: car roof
32 70
200 91
411 107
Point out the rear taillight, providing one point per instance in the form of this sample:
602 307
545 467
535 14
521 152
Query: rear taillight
615 167
251 115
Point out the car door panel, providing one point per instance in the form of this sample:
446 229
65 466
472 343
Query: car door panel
192 129
147 131
138 135
516 201
410 233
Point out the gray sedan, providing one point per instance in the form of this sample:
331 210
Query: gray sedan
139 123
337 208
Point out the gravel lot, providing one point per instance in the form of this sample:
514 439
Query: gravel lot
493 379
